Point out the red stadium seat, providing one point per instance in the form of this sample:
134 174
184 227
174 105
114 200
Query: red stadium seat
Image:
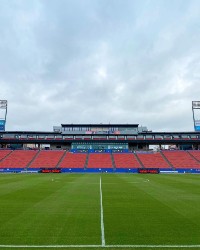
181 159
73 160
153 160
99 160
18 159
195 154
4 153
47 159
126 160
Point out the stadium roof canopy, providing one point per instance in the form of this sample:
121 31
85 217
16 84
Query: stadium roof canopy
100 125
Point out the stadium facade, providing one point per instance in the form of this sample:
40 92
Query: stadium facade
113 148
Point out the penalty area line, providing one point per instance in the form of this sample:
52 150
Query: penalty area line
99 246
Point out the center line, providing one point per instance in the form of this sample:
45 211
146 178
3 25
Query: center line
103 243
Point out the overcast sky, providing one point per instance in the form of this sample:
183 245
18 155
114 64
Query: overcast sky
100 61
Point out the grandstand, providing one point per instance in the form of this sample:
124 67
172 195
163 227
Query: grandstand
99 148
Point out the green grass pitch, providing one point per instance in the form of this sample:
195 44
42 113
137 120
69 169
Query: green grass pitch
65 209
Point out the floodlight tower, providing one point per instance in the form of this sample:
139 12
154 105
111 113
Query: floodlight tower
196 115
3 114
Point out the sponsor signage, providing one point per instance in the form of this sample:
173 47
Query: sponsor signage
148 170
44 170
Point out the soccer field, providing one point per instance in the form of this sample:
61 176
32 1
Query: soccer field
93 211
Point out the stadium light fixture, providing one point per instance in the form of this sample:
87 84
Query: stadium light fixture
195 111
4 107
196 104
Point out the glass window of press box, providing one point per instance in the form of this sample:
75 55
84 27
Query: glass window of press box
99 146
100 130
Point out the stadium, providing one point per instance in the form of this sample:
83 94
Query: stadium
97 186
99 124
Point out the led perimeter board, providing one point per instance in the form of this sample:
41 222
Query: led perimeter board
48 170
148 170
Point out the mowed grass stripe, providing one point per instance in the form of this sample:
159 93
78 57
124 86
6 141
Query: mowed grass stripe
151 213
49 210
181 195
56 209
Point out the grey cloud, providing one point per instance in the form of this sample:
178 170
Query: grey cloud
98 61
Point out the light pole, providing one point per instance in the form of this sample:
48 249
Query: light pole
4 107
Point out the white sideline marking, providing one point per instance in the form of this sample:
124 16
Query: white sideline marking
103 242
105 246
153 246
49 246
